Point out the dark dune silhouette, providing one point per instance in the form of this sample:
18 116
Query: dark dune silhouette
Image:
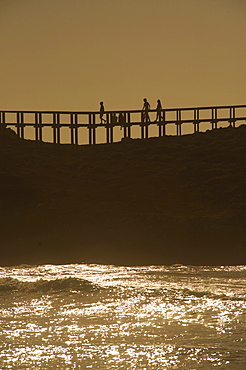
153 201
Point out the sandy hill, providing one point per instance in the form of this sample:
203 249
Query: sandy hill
154 201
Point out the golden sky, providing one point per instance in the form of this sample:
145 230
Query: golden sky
71 54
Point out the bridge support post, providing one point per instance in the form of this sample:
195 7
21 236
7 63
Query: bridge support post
162 124
71 128
90 130
40 126
22 125
36 126
76 134
179 129
94 129
18 123
112 120
196 121
144 126
2 120
146 131
108 128
111 133
129 125
178 123
232 120
129 132
214 120
162 129
74 128
58 128
142 131
125 131
54 128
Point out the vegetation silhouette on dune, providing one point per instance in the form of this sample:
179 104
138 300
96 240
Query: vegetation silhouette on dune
152 201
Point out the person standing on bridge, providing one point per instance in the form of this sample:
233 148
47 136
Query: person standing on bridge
158 111
122 120
146 108
102 112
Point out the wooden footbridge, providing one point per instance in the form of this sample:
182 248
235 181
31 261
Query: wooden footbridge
212 117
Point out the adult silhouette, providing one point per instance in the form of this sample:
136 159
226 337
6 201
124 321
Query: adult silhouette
158 111
122 120
146 108
102 112
114 118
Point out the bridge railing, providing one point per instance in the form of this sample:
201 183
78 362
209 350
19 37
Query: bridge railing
125 119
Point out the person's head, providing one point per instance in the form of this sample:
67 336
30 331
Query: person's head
145 100
158 101
101 102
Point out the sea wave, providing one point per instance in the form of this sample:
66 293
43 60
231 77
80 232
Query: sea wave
69 284
209 294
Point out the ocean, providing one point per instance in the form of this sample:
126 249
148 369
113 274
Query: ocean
82 316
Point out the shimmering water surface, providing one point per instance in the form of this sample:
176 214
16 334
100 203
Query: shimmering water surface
109 317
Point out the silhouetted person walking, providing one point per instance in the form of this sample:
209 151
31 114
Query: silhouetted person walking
146 108
122 120
102 112
113 118
158 111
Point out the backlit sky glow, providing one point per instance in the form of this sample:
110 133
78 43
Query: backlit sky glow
71 54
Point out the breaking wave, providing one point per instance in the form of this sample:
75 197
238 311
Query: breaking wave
66 284
208 294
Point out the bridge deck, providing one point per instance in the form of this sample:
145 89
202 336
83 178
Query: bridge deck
75 120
